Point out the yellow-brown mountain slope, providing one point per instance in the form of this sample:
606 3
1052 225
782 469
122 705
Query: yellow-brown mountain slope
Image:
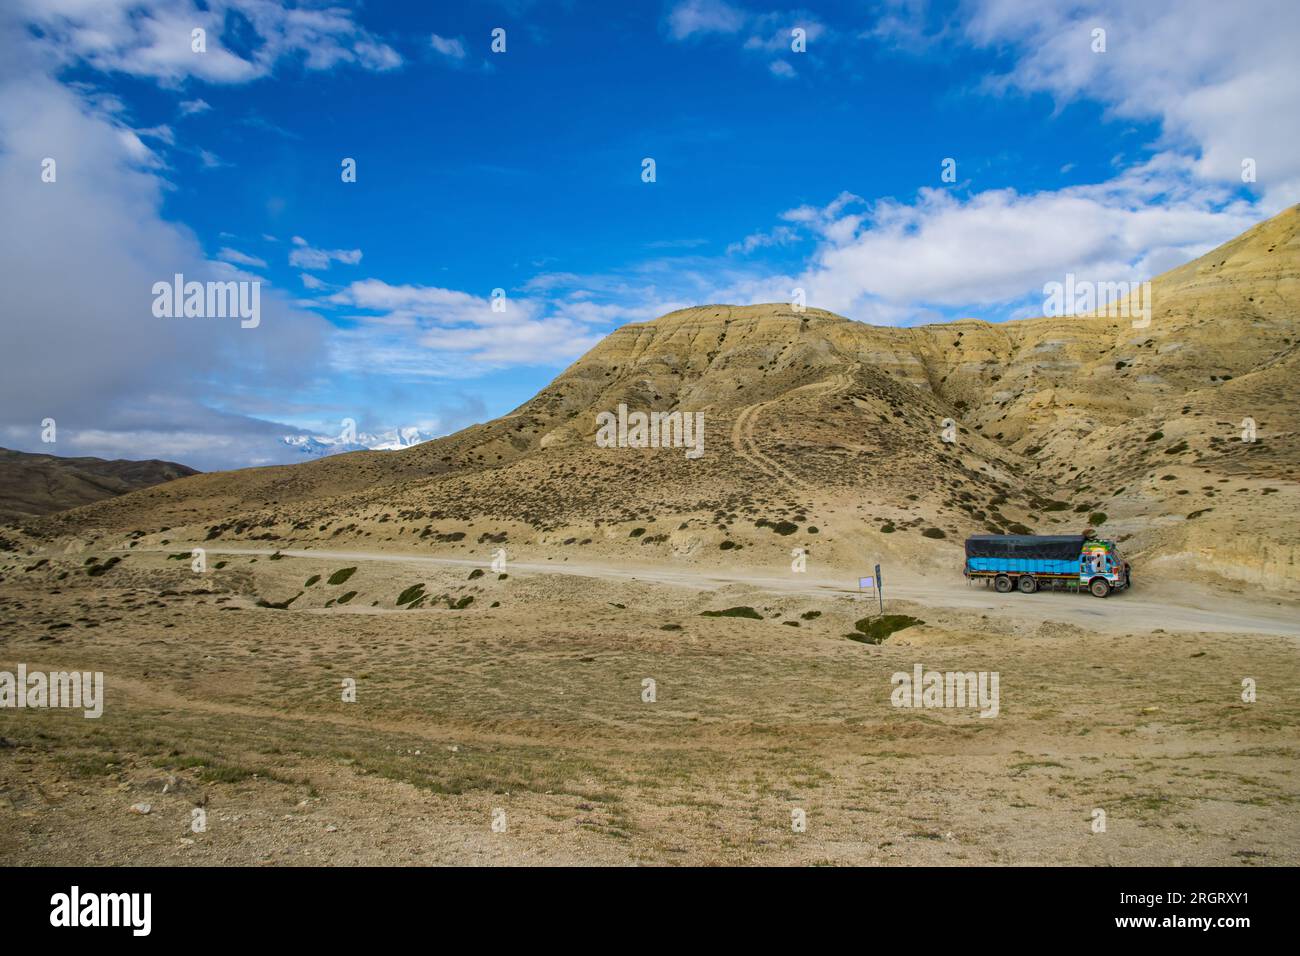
813 421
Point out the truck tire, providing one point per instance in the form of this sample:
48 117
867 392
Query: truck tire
1099 587
1002 584
1028 584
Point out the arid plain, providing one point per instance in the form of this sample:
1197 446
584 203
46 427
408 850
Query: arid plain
517 694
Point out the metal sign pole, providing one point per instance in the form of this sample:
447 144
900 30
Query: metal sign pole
880 593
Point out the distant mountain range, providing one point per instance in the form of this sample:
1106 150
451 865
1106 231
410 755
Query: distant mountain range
32 484
317 446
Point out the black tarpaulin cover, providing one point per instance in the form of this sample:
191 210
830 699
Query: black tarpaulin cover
1055 547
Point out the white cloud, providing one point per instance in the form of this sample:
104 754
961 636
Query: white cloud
162 133
451 48
310 281
459 333
1220 78
152 38
304 256
193 107
78 260
769 34
779 236
239 258
999 246
694 17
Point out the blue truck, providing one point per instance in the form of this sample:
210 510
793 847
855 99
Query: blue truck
1031 562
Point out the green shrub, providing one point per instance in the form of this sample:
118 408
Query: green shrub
341 575
1096 518
734 612
279 605
311 580
933 533
873 630
410 594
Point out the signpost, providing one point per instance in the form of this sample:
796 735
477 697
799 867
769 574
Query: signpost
873 583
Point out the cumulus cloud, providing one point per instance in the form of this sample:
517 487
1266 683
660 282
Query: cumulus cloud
456 333
449 47
779 236
695 17
769 34
240 258
902 262
78 260
244 39
1219 78
304 256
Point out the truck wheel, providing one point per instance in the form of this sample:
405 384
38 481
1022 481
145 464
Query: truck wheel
1002 584
1028 584
1099 587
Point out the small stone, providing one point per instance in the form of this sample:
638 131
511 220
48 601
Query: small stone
141 808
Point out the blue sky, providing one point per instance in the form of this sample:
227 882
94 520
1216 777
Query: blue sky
521 170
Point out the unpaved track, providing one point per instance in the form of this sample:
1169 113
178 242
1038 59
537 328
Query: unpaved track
1148 607
746 446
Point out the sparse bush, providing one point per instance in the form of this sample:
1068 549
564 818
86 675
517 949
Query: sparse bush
279 605
410 594
874 630
341 575
933 533
739 611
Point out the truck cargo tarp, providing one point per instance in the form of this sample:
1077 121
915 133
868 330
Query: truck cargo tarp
1055 547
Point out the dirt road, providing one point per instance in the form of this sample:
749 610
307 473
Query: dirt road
1150 606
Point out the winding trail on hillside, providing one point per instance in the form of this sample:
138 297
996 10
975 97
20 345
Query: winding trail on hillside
747 447
1161 606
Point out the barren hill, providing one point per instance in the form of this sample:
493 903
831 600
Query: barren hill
42 484
827 434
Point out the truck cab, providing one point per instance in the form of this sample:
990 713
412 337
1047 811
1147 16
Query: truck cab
1102 569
